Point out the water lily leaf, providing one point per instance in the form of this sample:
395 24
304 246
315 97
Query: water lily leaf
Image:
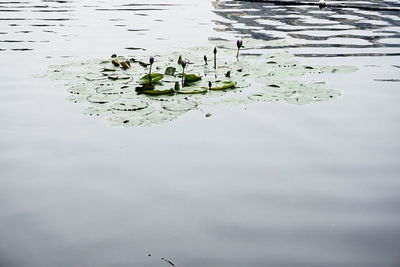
157 98
118 77
97 110
180 105
125 65
130 105
143 64
224 85
190 78
115 63
102 99
170 71
151 78
108 70
159 92
191 91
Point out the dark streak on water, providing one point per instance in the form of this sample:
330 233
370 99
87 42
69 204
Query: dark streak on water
310 27
304 27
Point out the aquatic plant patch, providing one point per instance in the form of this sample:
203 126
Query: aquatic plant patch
151 89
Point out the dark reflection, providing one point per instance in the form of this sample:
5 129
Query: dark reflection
310 27
29 18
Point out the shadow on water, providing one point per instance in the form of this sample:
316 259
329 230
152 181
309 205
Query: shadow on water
314 28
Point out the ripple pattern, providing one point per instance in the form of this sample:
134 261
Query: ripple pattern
314 31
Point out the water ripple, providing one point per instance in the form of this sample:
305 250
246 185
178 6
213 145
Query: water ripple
311 27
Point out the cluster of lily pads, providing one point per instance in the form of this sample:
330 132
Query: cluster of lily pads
148 90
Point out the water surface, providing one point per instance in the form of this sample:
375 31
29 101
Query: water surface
269 184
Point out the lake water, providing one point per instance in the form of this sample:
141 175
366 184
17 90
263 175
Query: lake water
267 184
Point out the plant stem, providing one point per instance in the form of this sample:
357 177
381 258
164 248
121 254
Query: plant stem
150 73
183 76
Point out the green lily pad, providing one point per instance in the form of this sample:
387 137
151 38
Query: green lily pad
170 71
158 98
151 78
224 85
190 78
158 92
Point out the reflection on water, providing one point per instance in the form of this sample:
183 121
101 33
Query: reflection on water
313 28
25 24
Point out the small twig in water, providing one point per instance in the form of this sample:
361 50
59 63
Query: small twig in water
168 261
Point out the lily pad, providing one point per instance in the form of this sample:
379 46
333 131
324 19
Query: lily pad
170 71
151 78
130 105
224 85
180 105
159 92
118 77
156 98
192 91
102 98
190 78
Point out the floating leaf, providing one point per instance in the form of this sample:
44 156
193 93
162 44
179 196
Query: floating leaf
115 63
190 78
156 98
125 65
129 105
118 77
170 71
143 64
192 91
102 99
108 70
151 78
180 105
224 85
159 92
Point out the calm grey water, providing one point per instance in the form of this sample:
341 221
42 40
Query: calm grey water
272 184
